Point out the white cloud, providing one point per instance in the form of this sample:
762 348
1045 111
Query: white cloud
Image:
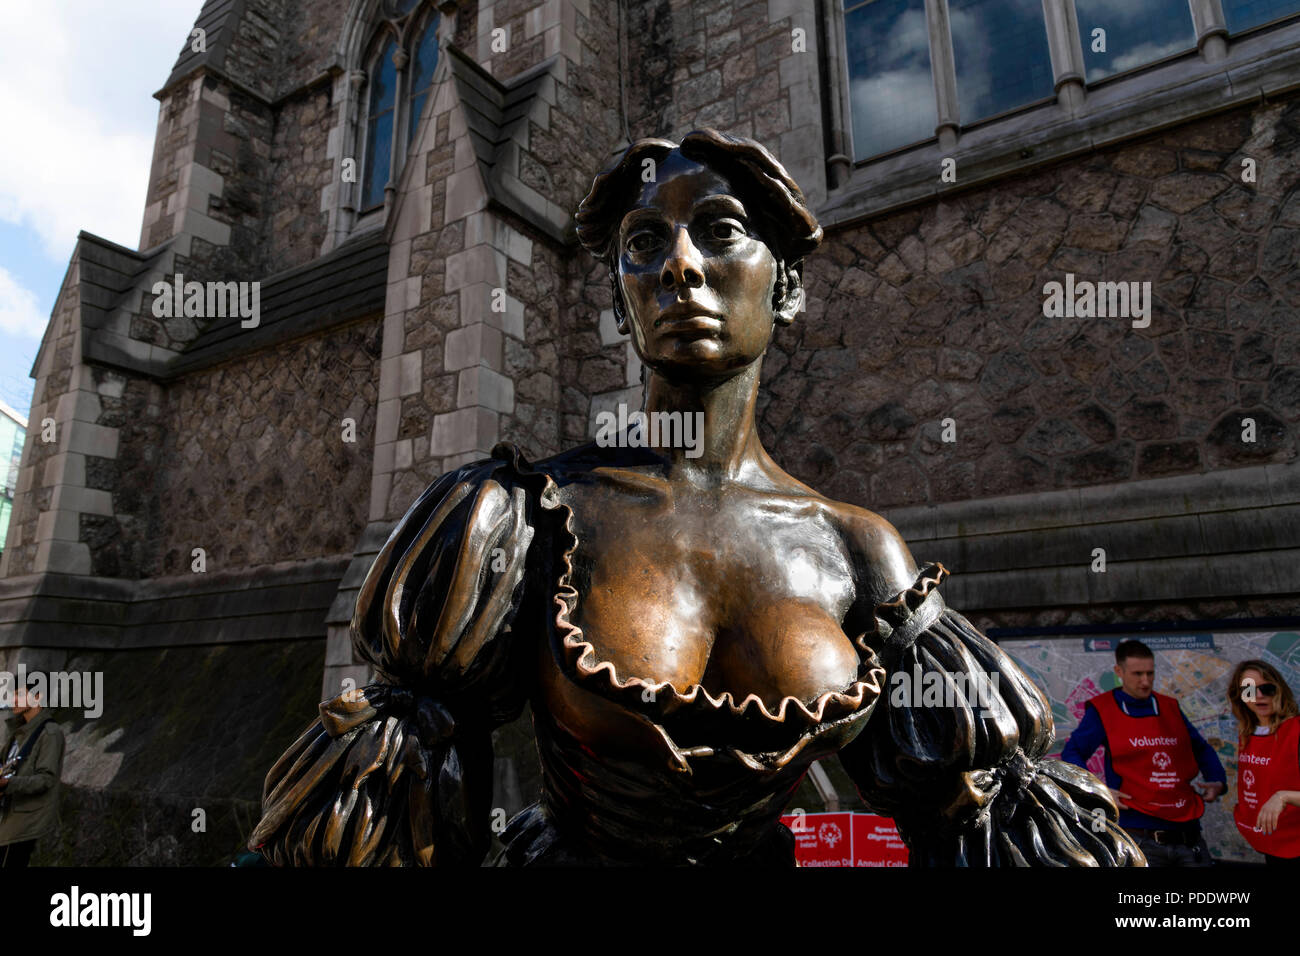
76 85
20 313
892 109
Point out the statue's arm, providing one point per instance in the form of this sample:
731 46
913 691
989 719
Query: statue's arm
955 750
400 772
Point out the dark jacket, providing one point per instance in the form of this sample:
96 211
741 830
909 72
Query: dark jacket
32 797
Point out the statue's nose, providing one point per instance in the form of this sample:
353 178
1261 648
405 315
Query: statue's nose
683 266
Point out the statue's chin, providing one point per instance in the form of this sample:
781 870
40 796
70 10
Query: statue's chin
699 361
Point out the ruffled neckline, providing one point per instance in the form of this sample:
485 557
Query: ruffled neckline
667 699
662 702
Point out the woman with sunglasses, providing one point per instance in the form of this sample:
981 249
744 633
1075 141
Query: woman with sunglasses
1268 761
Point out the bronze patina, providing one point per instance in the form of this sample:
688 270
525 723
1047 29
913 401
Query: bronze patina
691 626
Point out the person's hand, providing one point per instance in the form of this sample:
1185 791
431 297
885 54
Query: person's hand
1211 791
1269 813
1120 796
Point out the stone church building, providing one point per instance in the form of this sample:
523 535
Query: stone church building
202 489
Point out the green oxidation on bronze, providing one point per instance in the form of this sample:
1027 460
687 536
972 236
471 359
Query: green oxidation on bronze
691 626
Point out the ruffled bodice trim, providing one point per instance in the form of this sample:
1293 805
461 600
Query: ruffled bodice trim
790 724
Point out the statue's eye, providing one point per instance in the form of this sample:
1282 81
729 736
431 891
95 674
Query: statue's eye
725 230
643 241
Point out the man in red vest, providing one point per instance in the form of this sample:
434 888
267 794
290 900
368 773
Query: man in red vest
1152 756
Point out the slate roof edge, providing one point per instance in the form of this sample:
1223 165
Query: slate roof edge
207 353
214 55
508 99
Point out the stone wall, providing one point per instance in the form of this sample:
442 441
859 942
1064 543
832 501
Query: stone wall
583 127
308 40
708 63
163 748
33 495
121 543
533 364
254 55
937 312
211 177
295 223
247 460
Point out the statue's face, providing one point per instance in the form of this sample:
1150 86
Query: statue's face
696 278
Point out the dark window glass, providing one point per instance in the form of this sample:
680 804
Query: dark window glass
1001 54
1136 32
422 64
379 128
397 8
1243 14
887 45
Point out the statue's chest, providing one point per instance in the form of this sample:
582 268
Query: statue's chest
739 600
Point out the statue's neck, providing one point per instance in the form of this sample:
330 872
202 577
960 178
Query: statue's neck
724 441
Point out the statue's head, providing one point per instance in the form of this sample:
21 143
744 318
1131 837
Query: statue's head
704 243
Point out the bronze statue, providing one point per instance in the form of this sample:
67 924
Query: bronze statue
692 626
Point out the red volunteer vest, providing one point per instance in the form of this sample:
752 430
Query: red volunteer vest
1153 758
1267 765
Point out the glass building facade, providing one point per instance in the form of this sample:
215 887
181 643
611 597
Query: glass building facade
13 432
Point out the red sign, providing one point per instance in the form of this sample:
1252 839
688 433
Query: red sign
845 839
876 842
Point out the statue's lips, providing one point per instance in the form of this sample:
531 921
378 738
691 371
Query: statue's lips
690 322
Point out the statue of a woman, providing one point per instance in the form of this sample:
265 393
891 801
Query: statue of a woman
692 626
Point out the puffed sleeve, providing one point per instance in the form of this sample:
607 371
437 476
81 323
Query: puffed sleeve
400 772
955 751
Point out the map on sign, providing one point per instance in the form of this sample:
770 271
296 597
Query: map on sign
1193 667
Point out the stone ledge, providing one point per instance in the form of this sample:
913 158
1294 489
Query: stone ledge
1255 486
1217 534
285 601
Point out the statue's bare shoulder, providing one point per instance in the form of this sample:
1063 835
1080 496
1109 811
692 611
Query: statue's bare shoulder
882 563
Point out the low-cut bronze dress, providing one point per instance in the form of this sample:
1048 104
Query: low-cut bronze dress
466 615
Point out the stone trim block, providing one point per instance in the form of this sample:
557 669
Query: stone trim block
410 373
67 557
88 439
478 344
386 421
482 386
480 263
82 500
475 307
466 429
380 485
58 526
64 468
465 194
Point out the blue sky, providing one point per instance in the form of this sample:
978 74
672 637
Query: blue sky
77 79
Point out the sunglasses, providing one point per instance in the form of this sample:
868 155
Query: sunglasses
1262 690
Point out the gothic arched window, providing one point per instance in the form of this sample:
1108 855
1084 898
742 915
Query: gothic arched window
399 75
